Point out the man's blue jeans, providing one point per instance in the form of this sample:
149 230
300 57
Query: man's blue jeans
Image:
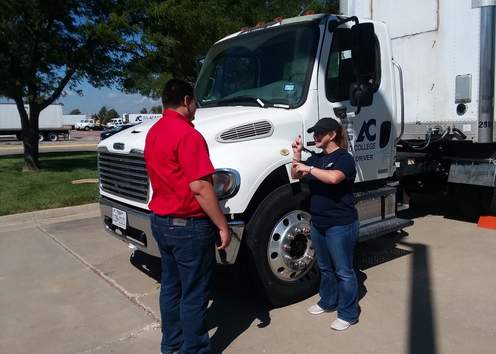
334 247
187 248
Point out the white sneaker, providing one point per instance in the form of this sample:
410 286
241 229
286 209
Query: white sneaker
341 325
317 310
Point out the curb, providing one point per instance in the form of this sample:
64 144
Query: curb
50 215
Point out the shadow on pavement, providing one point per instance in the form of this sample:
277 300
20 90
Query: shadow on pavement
459 202
422 333
234 307
422 329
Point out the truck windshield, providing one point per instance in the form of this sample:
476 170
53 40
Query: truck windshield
266 67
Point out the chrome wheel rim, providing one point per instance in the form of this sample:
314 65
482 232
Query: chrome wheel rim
290 252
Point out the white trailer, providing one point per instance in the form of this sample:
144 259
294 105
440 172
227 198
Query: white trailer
51 122
446 50
136 118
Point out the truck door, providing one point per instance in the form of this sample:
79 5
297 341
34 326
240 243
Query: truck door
371 133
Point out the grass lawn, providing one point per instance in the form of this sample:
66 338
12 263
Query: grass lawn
51 186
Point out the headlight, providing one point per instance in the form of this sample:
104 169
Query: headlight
226 183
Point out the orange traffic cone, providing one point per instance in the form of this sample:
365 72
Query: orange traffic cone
487 222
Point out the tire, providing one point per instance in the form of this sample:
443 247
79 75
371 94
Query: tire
41 137
86 128
19 136
278 241
52 136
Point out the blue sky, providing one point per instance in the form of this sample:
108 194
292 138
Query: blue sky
93 99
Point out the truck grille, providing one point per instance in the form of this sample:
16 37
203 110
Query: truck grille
124 176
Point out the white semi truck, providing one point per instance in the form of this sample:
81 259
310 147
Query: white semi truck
258 89
51 122
261 87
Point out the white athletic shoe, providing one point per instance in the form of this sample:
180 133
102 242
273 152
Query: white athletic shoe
317 310
341 325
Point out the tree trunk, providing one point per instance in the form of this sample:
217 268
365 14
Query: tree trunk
30 142
30 131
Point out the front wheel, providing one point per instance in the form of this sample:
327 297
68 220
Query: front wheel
280 246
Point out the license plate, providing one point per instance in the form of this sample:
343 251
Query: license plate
119 218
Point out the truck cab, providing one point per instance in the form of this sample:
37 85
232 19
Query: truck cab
85 124
114 122
258 89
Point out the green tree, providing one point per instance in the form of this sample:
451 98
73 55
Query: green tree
179 32
143 110
75 111
111 113
102 114
47 46
156 109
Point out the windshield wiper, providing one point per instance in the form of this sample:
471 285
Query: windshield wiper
243 99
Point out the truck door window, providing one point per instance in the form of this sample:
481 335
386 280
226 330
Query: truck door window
339 73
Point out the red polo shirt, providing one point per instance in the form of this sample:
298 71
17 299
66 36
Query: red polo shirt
176 154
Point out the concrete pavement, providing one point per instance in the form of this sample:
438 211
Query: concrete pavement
68 287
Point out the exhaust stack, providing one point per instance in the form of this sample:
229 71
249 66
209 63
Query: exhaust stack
486 69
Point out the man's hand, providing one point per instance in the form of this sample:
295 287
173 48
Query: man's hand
225 239
203 191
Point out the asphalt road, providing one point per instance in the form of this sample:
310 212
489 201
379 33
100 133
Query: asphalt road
68 287
79 141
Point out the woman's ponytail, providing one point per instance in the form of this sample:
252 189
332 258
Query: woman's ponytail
341 138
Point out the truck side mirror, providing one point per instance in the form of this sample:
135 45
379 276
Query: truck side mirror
364 61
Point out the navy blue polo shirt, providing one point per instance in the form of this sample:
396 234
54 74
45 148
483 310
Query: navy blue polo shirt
332 204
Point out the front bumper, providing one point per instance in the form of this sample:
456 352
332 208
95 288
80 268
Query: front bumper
138 232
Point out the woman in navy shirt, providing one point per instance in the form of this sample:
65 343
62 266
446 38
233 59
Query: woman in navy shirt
330 175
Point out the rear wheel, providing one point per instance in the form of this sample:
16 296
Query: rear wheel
19 136
41 137
52 136
86 128
281 250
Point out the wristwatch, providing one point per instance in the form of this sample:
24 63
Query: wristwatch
310 170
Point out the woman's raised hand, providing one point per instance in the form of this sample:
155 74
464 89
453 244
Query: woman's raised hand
297 145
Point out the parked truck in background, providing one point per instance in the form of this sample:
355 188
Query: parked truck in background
51 122
114 122
71 120
258 89
446 51
86 124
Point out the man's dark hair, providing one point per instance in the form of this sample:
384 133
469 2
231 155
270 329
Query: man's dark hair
174 92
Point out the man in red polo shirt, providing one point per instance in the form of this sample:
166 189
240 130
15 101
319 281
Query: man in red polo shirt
186 220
